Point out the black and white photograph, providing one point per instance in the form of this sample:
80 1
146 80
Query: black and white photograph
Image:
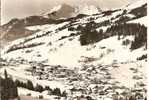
73 50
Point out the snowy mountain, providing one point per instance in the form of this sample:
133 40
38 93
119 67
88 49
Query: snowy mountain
103 55
16 27
87 9
67 11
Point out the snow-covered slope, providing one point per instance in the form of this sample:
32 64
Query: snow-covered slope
54 45
142 20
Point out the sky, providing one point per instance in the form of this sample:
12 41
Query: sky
22 8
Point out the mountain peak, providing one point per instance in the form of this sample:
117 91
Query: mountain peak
60 11
56 8
87 9
59 7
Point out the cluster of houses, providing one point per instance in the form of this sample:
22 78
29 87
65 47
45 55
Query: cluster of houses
85 82
51 72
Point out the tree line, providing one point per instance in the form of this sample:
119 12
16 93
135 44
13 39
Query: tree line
39 88
8 88
89 34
